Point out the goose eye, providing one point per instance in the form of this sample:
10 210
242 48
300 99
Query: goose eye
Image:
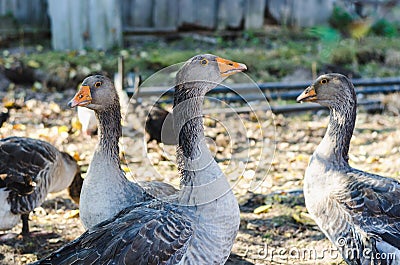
97 84
204 62
324 81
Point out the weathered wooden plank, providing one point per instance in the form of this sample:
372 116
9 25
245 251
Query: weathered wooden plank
230 14
8 7
126 14
32 13
148 30
142 13
100 29
8 28
206 13
318 12
186 12
61 31
198 13
105 25
291 12
165 14
254 14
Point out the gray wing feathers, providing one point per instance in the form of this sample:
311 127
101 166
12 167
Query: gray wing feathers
23 158
146 233
24 164
376 208
365 213
157 189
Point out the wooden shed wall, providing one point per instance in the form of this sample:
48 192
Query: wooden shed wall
30 14
100 24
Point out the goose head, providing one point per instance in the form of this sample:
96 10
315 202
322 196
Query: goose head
206 71
330 90
97 92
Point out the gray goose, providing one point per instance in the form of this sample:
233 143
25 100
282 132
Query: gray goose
359 212
106 190
29 170
199 225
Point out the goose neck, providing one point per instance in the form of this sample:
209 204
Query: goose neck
202 180
192 151
336 142
109 132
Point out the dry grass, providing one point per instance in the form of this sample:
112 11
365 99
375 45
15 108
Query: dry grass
281 226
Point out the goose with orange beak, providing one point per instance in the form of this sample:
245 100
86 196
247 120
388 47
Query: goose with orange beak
98 202
358 211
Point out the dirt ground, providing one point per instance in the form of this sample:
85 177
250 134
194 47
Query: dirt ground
263 155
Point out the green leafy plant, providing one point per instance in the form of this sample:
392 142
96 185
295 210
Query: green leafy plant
340 18
382 27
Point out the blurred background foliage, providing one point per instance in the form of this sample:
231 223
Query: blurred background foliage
357 44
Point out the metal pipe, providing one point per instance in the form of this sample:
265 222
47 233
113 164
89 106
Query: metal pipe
251 88
287 108
292 95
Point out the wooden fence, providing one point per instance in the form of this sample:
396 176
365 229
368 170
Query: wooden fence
172 15
101 24
19 17
31 14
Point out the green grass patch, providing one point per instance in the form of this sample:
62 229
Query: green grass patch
269 57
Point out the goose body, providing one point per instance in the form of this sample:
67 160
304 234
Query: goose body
358 211
196 226
29 170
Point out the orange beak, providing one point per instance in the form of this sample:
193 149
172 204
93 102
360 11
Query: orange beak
308 95
227 67
81 98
